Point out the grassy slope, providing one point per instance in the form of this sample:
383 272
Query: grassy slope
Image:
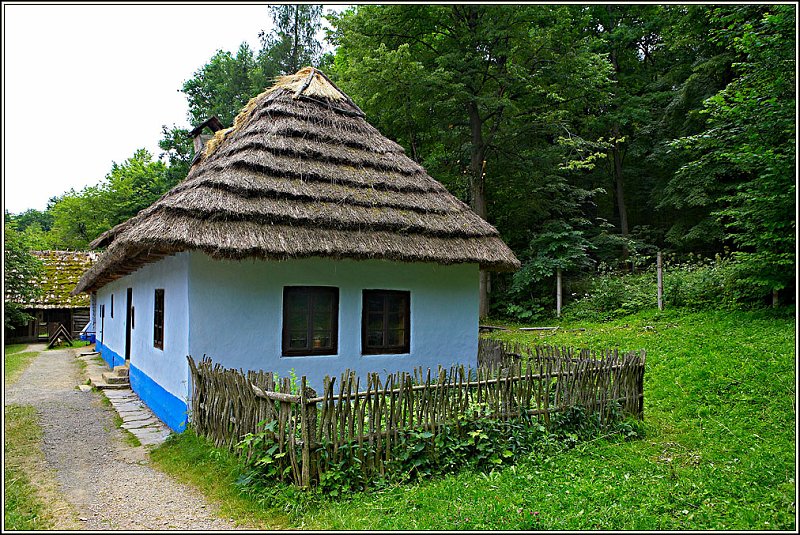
719 451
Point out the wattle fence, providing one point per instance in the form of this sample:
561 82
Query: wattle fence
314 431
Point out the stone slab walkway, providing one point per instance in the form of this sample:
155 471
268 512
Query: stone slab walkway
136 416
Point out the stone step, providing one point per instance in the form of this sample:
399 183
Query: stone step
113 379
109 386
122 371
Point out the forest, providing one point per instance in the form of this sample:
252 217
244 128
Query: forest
591 136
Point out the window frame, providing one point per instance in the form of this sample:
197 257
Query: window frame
158 319
404 349
309 350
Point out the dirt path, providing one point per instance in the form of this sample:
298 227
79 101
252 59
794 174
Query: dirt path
109 483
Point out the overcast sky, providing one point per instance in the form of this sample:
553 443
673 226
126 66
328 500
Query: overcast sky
87 85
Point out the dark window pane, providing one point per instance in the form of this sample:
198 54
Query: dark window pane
310 320
385 321
396 321
375 304
322 319
375 338
395 338
375 322
396 303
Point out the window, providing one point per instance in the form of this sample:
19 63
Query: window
158 320
102 311
310 320
112 305
386 322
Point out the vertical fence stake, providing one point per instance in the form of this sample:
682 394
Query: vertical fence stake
660 278
304 431
558 292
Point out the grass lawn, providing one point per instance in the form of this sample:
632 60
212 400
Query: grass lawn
15 361
719 450
31 500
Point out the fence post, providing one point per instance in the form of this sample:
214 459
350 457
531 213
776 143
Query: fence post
558 292
660 278
305 434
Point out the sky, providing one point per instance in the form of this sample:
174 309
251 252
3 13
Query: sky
85 86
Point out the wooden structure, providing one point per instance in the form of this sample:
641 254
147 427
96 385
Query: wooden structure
57 334
61 271
351 418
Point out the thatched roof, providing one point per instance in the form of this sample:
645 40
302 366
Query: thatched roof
61 271
301 173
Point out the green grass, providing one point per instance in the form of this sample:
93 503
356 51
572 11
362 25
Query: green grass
24 506
15 361
75 344
214 471
719 450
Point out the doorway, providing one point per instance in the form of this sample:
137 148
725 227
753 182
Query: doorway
128 324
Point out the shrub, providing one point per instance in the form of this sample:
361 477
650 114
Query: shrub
695 284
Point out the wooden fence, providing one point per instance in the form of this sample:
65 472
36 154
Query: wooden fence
314 431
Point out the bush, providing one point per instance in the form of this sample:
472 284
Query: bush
710 284
608 295
693 284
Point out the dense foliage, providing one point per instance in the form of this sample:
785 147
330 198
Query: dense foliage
20 267
475 441
589 135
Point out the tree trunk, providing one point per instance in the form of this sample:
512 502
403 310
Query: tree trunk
619 184
477 168
616 153
295 45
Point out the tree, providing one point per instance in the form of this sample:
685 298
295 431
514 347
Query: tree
80 217
293 43
458 84
20 268
557 248
749 144
223 86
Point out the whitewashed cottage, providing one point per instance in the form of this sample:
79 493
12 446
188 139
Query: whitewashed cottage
301 239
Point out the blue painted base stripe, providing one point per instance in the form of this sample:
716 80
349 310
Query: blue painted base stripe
165 405
109 355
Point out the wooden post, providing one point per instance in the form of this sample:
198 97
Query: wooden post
660 278
305 461
558 292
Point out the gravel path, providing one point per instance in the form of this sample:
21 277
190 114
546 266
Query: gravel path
107 481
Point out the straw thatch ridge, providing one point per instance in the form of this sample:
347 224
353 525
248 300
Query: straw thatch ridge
301 173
